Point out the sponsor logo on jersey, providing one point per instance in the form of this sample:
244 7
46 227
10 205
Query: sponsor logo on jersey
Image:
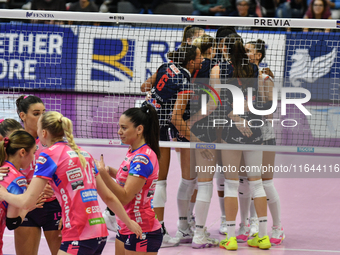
93 209
136 207
70 163
88 195
53 147
188 19
308 70
175 69
137 168
74 174
77 185
66 208
127 242
22 182
85 154
272 22
140 159
96 221
41 160
75 243
153 184
72 154
150 193
114 63
125 168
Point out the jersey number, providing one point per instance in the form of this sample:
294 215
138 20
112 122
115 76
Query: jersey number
88 172
162 81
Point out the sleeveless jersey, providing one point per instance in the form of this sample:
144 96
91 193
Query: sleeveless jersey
171 79
142 163
15 183
75 189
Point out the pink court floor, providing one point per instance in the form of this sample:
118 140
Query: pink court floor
310 210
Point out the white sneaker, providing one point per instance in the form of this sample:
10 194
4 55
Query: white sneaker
254 226
223 226
185 236
169 241
277 235
243 233
200 241
192 222
110 221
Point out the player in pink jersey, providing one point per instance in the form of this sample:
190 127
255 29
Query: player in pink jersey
18 150
73 173
28 235
136 180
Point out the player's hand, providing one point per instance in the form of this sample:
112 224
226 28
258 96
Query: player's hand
40 202
244 129
100 163
135 228
148 96
48 191
207 154
60 225
3 192
3 172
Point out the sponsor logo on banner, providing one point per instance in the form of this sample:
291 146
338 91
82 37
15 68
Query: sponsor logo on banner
114 63
188 19
39 15
338 23
305 149
272 22
88 195
205 146
140 159
74 174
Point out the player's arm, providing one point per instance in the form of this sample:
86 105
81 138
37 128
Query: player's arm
112 171
149 83
28 199
14 217
115 205
211 105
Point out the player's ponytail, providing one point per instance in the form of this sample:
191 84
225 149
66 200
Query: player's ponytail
147 117
59 126
238 57
19 139
8 125
183 55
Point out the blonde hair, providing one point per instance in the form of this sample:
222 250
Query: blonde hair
204 42
59 126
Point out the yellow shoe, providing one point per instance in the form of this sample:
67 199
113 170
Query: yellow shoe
262 243
229 244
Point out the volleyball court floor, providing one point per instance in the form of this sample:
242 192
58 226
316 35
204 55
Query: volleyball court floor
310 209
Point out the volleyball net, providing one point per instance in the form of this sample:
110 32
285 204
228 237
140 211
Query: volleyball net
90 67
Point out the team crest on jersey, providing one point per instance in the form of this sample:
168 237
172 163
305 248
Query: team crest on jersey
41 160
137 168
113 59
74 174
140 159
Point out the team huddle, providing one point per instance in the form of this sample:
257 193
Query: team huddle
48 182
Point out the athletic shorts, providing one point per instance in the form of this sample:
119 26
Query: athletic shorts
164 133
84 247
47 217
203 131
270 142
175 134
150 242
234 136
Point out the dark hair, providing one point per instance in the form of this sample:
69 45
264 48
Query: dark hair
260 46
147 117
24 102
238 57
17 140
189 32
9 125
325 6
183 54
223 32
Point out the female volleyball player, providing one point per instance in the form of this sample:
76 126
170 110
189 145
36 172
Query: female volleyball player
73 172
16 151
256 52
27 236
138 174
235 70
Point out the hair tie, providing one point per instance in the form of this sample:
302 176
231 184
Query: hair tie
26 97
60 120
6 142
2 120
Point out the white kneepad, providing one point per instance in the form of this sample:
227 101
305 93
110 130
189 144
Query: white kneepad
185 189
256 189
205 190
271 192
243 189
159 198
220 181
231 188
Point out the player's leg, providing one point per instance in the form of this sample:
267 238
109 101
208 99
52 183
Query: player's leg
27 240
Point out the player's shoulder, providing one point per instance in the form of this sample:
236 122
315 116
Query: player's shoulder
144 154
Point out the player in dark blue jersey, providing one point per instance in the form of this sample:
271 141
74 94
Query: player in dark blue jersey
238 71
